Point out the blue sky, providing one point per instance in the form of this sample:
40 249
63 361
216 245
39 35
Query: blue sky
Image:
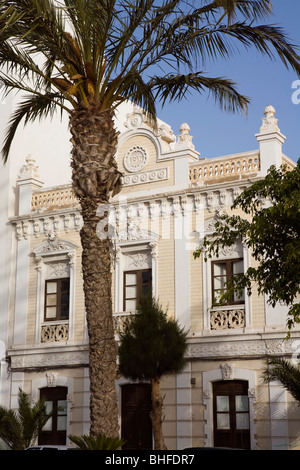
217 132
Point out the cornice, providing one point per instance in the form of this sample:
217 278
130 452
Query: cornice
243 347
48 357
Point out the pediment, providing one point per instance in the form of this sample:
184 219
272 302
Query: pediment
53 245
135 233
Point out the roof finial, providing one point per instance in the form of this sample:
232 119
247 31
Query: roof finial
185 138
29 170
269 122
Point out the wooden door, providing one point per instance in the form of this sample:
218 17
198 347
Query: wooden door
55 430
136 427
231 414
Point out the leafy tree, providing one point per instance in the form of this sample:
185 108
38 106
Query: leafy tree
152 345
85 57
286 373
270 228
21 429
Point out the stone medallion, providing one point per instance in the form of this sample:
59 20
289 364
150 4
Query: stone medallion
135 159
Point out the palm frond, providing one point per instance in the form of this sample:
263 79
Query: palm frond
31 108
100 442
267 39
288 374
112 47
176 87
21 428
250 9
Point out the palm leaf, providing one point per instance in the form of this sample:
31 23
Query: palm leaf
100 442
34 107
20 429
176 88
286 373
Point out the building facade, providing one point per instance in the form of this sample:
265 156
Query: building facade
171 198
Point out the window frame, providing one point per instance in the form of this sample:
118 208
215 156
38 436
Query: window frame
229 273
58 304
139 284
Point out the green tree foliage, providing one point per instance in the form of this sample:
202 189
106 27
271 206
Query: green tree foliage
270 228
152 345
20 429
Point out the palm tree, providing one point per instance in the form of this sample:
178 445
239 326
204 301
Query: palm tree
86 57
100 442
21 429
284 372
152 345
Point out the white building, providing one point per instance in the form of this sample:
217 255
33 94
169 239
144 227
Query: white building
170 199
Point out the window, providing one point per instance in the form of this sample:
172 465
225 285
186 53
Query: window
222 271
136 283
57 297
55 430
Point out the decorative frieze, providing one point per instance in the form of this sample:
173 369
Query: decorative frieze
38 225
146 177
122 211
236 347
49 356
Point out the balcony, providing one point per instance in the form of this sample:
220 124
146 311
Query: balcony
52 332
227 318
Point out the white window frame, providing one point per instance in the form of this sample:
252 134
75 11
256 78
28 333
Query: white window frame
46 255
127 258
237 251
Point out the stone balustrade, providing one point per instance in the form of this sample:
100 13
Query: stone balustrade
207 171
53 199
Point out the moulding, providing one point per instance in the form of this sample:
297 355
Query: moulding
48 357
234 348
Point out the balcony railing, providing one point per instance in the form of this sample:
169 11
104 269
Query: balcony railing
54 332
215 169
225 319
54 199
119 320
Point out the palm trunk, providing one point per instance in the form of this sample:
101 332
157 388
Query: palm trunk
95 179
156 415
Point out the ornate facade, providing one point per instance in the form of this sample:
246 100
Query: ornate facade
171 198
